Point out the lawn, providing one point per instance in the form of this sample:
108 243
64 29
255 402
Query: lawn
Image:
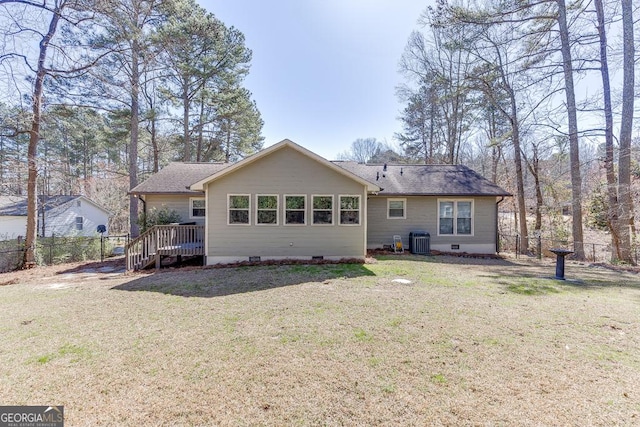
466 342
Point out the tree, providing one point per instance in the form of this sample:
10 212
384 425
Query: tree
574 144
626 128
362 150
127 33
51 60
202 55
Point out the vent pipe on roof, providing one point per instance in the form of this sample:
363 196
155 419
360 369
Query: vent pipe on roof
377 176
401 171
384 168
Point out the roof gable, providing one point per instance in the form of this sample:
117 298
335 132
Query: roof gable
17 205
199 185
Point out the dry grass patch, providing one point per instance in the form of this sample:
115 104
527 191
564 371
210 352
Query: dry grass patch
468 342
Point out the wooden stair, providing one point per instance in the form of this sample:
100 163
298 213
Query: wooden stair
160 241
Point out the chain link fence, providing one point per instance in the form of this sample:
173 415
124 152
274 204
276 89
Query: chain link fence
540 247
57 250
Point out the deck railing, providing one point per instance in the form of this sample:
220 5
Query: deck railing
164 240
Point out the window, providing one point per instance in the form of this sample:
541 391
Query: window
349 210
79 222
197 207
78 203
322 210
396 208
267 209
239 205
294 210
455 217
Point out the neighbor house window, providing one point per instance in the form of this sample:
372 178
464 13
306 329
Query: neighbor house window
396 208
197 207
349 210
239 206
267 209
322 210
295 209
79 222
455 217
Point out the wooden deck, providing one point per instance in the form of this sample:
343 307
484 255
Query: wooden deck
163 241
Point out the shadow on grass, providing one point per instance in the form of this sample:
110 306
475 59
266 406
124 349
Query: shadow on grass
585 280
217 282
448 259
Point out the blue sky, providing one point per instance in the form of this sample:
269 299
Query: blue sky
324 72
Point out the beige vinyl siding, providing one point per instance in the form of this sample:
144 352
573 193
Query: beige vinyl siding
284 172
173 202
422 215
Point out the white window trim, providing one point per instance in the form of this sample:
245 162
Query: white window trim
404 208
455 217
277 209
359 224
284 210
191 200
79 223
333 204
229 209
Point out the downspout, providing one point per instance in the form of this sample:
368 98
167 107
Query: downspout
497 232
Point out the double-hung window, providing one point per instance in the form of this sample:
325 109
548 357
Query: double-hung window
197 207
267 209
239 206
396 208
295 208
322 210
455 217
349 210
79 223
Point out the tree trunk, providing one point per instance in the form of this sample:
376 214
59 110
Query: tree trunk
133 146
185 120
522 210
29 258
612 208
574 149
626 128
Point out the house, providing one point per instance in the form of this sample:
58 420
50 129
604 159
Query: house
57 215
286 202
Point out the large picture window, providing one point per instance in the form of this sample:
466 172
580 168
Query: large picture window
455 217
239 208
197 207
396 208
349 210
322 210
267 209
295 209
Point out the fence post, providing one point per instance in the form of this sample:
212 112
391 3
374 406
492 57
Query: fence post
53 237
101 248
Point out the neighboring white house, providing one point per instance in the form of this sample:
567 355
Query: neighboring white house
59 215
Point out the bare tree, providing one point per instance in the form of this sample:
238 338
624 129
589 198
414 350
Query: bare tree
626 127
41 67
361 150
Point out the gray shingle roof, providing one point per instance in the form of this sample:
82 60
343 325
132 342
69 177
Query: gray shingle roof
431 180
176 177
428 180
17 205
